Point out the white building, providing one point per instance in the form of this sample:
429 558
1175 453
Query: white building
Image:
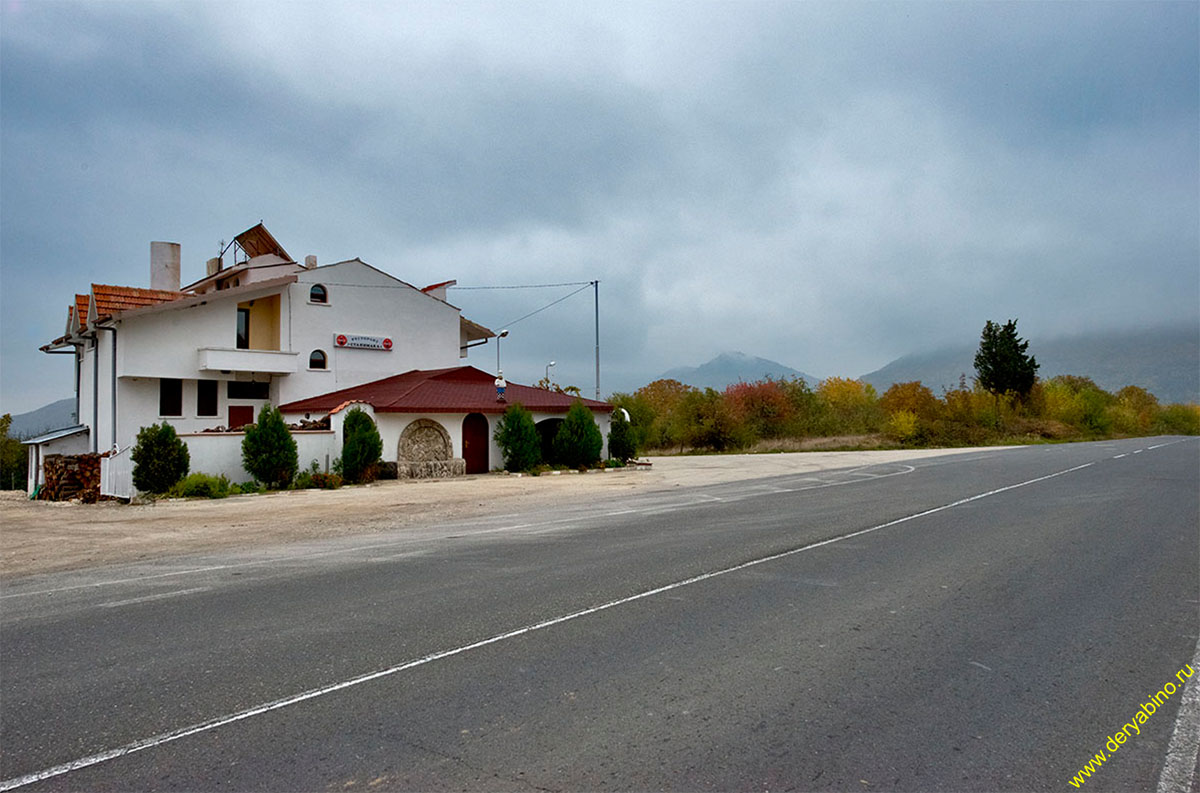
267 329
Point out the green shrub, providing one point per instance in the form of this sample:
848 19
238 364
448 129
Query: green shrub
160 458
578 442
202 486
361 447
518 439
269 450
314 478
706 421
621 443
1178 420
12 458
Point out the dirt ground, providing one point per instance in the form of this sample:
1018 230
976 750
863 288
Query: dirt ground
42 536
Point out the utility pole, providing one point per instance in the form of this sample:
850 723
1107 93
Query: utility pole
596 293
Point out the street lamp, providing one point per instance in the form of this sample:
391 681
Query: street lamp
548 373
499 336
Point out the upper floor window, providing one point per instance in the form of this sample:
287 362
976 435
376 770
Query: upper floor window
243 328
317 360
318 294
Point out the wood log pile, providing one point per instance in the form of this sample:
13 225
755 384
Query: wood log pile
71 476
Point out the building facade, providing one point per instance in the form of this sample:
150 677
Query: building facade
207 356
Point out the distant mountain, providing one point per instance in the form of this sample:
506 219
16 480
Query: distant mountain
732 367
54 416
1164 361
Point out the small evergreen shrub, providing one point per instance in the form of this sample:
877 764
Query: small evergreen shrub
361 447
518 439
621 444
160 458
578 441
269 450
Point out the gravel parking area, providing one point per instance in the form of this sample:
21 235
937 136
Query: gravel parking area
40 536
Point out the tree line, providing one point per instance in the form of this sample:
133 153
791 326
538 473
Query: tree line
1004 403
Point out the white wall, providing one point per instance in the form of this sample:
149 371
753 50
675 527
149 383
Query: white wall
218 453
164 344
365 301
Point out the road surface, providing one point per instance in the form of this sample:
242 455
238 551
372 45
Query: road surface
986 621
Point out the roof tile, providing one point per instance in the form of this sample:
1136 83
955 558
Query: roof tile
462 389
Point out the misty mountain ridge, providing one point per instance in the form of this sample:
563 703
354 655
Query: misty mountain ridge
733 367
55 416
1164 361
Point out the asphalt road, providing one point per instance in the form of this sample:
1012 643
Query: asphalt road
975 622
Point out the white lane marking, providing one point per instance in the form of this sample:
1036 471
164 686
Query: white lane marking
222 721
1179 766
1119 456
147 598
981 666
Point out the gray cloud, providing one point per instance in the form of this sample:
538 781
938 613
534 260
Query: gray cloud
828 185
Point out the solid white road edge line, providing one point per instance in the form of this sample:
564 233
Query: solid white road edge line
221 721
1179 767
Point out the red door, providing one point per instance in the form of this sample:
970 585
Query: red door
475 443
240 415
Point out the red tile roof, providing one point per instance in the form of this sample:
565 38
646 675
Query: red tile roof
114 299
463 389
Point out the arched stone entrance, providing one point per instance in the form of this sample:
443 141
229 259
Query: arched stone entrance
475 443
425 452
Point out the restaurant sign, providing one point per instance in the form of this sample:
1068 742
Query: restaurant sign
362 342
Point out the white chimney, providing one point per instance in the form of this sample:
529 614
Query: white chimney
310 262
213 266
164 266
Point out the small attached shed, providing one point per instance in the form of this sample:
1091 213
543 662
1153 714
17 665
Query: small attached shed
441 422
66 441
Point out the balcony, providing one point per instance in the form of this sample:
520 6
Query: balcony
223 359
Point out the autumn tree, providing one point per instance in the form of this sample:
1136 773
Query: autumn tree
761 407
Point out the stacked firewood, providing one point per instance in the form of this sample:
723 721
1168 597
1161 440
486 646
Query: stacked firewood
71 476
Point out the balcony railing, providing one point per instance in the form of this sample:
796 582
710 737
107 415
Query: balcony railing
223 359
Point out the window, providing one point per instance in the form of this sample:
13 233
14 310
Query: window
170 397
243 328
206 397
318 294
317 359
245 389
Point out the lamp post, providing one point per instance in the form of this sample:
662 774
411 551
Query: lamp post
499 336
548 372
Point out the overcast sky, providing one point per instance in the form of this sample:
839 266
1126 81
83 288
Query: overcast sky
827 185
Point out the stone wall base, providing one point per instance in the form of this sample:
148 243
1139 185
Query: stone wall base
431 469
